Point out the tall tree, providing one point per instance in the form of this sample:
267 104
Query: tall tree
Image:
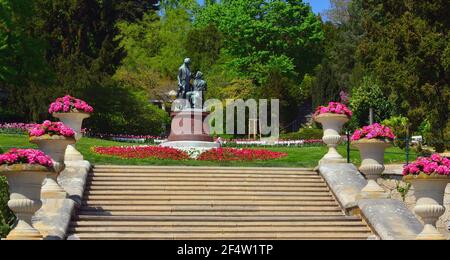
339 70
23 69
405 47
273 43
339 11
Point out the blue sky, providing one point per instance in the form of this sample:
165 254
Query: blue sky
318 5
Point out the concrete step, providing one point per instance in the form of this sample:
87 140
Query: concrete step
224 236
188 179
208 213
206 197
153 178
199 171
201 184
231 224
141 202
221 219
208 208
235 230
210 193
205 175
211 189
100 203
197 168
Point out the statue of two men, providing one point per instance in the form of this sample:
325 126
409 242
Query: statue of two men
193 93
184 79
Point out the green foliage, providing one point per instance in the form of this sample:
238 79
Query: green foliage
305 134
338 70
129 114
403 189
369 95
272 43
22 53
405 46
6 216
203 45
155 49
399 126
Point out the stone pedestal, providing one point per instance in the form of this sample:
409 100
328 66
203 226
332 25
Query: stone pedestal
190 125
25 182
74 120
429 191
54 146
190 131
372 166
332 126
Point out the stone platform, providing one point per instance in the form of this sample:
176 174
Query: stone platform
190 132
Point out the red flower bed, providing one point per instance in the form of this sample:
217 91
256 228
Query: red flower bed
143 152
230 154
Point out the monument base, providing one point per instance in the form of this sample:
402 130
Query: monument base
190 125
193 148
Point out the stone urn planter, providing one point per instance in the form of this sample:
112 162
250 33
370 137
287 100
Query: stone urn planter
372 165
332 126
55 146
25 182
429 191
75 121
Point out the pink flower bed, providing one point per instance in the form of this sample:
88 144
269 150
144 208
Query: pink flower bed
375 131
51 128
164 153
19 127
230 154
143 152
436 165
69 104
25 156
334 108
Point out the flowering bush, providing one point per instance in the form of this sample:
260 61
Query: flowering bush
51 128
436 165
25 156
334 108
165 153
373 131
280 142
15 128
69 104
142 152
230 154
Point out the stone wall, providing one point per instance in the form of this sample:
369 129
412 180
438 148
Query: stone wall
391 182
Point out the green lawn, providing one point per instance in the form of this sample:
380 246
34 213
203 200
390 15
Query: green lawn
297 156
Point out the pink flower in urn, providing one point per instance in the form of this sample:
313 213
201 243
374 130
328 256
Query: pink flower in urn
51 128
430 168
435 165
68 104
375 131
334 108
436 158
443 170
446 162
25 156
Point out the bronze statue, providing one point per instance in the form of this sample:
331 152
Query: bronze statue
199 88
190 94
184 79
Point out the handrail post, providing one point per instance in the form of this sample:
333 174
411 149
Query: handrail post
407 149
348 146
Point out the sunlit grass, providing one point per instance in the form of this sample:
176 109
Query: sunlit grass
297 156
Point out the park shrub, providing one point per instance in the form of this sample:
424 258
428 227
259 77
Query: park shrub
6 216
399 125
304 134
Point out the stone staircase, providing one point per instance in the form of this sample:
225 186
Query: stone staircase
124 202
